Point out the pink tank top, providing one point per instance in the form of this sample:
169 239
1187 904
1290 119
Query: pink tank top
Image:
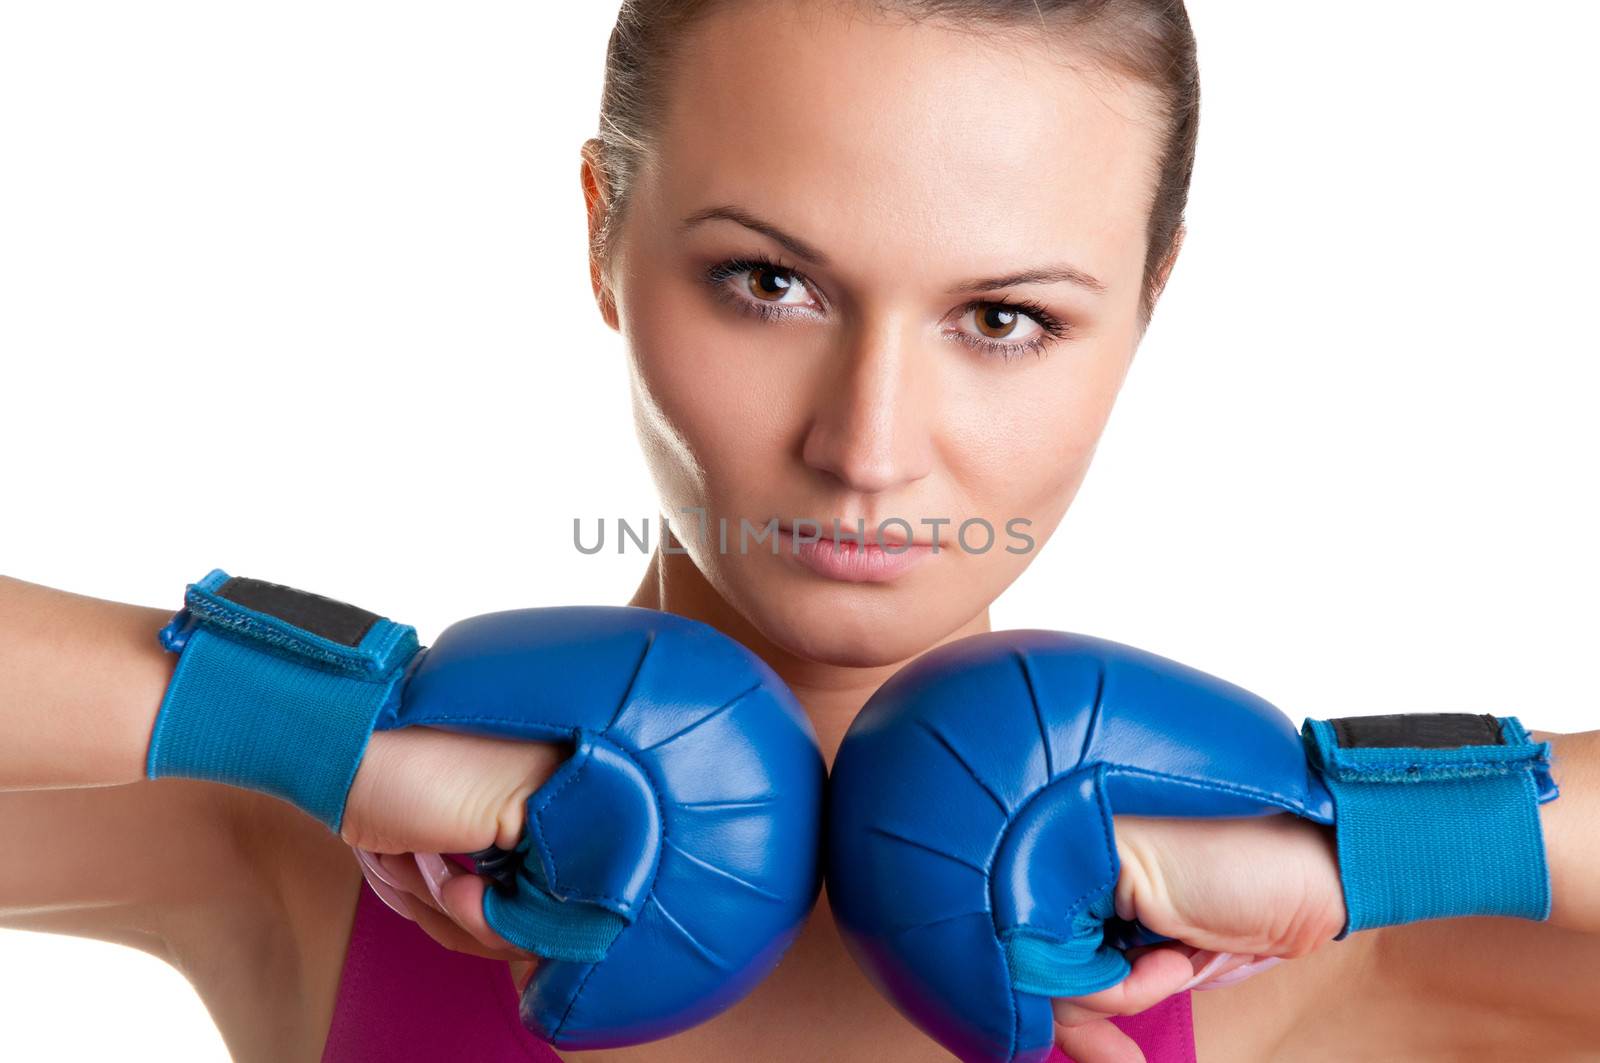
403 996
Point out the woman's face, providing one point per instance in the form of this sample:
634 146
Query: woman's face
879 271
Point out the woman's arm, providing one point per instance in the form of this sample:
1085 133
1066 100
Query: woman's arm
91 849
237 890
243 892
100 851
80 682
1490 977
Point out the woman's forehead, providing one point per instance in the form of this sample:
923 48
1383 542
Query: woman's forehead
861 132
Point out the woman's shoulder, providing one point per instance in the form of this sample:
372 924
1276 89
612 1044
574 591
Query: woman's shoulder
1525 987
286 944
1446 989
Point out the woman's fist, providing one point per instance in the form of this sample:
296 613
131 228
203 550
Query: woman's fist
420 789
420 792
1267 886
1238 895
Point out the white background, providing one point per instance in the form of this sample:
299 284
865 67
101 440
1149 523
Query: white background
299 290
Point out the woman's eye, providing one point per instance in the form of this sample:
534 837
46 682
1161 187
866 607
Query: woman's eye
1009 330
996 321
772 285
764 289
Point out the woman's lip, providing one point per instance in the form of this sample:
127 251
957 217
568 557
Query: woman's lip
852 562
847 533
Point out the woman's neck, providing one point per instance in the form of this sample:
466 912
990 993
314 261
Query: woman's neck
831 694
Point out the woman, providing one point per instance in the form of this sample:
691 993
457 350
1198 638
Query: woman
839 302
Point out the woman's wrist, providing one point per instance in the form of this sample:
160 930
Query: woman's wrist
1568 822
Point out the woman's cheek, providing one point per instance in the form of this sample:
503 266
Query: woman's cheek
674 384
668 453
1028 463
712 430
1020 427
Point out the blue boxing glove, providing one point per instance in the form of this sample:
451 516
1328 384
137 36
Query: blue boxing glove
971 860
664 867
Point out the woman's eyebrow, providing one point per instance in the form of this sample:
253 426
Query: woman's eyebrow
793 244
1037 275
800 249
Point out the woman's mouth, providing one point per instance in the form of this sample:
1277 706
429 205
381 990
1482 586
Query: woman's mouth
851 561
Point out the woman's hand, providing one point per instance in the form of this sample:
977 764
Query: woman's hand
1232 891
420 792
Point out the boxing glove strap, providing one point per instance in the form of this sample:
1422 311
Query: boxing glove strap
588 856
1085 962
521 908
275 690
1435 815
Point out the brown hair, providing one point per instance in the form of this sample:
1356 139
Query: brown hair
1149 41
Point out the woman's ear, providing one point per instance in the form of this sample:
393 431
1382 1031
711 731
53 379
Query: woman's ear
597 206
1159 281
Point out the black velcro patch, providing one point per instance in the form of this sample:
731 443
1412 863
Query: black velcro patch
1428 730
334 621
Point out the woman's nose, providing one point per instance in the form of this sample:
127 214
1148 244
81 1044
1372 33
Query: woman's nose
872 420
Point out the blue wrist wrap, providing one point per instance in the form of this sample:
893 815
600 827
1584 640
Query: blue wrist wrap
1436 815
275 690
